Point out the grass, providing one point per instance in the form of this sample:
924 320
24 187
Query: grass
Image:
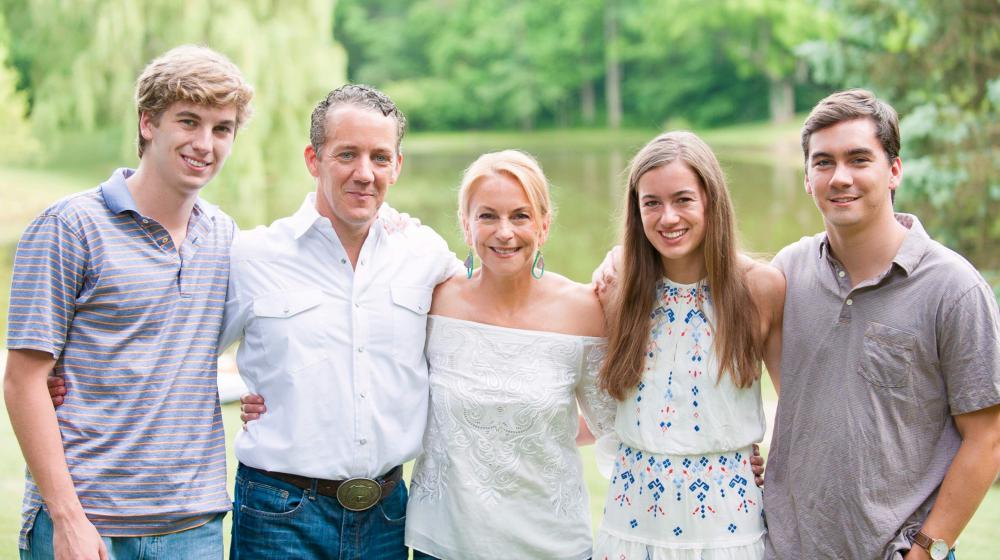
977 541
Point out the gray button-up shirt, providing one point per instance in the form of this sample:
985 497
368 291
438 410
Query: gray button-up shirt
870 379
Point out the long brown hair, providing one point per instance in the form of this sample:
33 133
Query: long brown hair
736 325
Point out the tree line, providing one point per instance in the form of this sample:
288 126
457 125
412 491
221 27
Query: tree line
523 64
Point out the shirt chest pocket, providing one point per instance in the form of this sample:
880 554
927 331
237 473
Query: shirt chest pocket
887 357
289 325
410 305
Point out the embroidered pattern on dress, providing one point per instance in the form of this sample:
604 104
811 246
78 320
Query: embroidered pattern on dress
671 301
639 482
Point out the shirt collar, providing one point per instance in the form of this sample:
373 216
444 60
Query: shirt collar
910 252
914 244
115 191
305 217
118 199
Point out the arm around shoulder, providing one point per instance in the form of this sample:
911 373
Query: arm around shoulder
767 287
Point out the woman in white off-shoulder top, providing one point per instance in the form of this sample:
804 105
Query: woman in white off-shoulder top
512 349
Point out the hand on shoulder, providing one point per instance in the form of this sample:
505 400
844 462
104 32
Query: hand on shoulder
767 286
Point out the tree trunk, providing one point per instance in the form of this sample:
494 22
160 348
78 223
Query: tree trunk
781 99
588 102
612 67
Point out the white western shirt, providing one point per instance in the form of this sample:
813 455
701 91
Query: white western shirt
336 352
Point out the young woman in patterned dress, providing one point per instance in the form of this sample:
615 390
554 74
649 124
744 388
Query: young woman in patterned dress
690 321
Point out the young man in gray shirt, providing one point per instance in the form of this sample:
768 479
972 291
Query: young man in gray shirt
887 434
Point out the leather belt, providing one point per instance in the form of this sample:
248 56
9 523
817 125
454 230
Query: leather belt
355 494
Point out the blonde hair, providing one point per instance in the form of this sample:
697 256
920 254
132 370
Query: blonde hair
516 164
735 323
192 74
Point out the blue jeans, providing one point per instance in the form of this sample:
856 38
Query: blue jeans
275 519
200 543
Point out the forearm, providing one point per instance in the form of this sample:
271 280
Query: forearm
970 475
965 485
36 427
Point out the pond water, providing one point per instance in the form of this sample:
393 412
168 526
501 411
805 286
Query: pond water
587 188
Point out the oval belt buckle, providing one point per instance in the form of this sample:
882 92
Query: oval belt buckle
359 494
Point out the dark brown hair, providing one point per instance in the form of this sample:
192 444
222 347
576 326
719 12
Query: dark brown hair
735 322
854 104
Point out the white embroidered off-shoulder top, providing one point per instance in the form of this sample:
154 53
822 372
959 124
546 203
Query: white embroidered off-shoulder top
500 476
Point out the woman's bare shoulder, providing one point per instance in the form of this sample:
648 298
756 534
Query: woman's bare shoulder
448 296
576 307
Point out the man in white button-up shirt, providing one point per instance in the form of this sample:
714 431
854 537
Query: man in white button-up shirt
331 305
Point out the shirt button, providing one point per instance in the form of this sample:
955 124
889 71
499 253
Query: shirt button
285 311
356 304
841 273
145 221
849 301
343 261
363 441
362 261
362 395
361 349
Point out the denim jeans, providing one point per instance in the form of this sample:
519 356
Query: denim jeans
274 519
200 543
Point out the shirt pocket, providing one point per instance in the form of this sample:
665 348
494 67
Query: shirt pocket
410 305
288 325
888 356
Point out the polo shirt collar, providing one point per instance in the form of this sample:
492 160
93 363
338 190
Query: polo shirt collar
914 245
306 217
910 252
116 195
118 199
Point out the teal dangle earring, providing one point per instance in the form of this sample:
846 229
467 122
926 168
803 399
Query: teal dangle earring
469 263
538 264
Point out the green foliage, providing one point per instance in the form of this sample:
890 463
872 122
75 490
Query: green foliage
525 64
80 65
938 63
17 142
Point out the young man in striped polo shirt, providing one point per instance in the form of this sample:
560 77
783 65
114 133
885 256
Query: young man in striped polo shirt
119 290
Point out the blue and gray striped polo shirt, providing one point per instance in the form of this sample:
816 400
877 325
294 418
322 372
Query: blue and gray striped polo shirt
133 323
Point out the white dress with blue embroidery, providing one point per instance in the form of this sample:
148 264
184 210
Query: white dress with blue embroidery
681 485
